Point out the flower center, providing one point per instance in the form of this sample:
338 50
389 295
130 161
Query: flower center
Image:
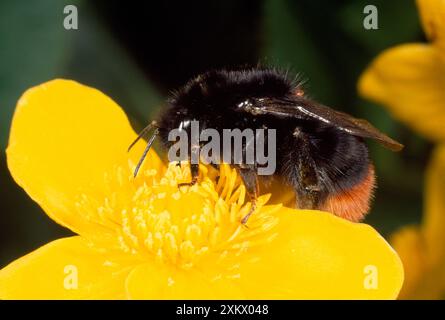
150 216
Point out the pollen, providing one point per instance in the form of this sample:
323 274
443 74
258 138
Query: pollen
151 218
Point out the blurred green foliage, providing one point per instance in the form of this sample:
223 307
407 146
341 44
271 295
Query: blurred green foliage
324 41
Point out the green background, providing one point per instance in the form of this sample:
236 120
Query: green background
136 54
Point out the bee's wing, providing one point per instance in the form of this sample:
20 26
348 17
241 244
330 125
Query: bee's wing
302 108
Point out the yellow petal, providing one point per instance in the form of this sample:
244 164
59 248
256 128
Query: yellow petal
432 15
309 255
434 219
410 245
64 138
319 256
422 279
422 249
64 269
164 282
409 80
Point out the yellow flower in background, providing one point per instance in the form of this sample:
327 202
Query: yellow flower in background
145 238
409 80
422 248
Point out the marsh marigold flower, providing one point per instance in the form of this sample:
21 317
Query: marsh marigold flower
146 238
409 80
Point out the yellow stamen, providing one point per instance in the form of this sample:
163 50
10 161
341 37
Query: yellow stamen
148 218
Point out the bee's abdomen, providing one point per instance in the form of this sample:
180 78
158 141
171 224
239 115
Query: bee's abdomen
354 203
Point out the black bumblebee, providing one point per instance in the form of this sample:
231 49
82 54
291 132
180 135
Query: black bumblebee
320 153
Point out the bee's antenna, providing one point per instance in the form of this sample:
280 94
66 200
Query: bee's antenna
142 133
147 148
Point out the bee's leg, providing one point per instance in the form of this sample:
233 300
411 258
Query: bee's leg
194 170
249 176
307 183
147 148
194 167
144 131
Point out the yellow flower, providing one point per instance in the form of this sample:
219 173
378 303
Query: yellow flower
145 238
410 81
422 248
